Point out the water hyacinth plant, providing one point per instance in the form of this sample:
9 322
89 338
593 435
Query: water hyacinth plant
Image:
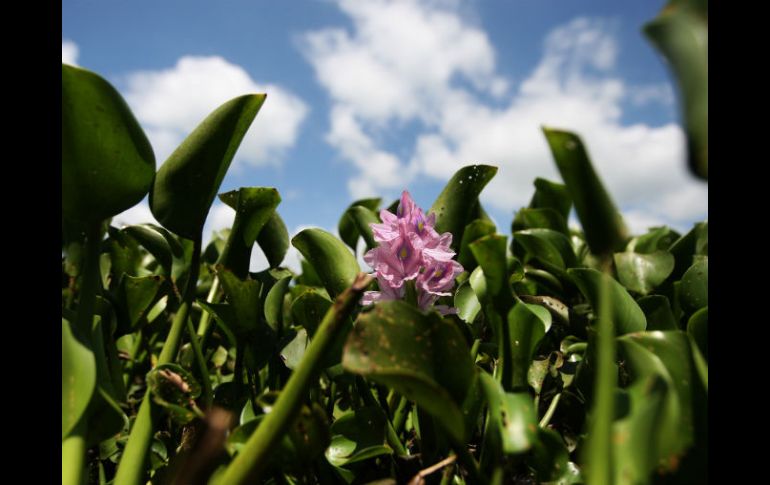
474 354
411 254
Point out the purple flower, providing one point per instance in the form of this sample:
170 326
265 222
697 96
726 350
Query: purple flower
411 249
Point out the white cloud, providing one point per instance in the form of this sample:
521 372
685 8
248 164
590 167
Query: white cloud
138 214
171 102
422 63
69 52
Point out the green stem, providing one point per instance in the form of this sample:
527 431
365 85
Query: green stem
399 417
131 469
74 445
252 461
203 324
411 292
551 409
73 452
330 402
208 396
238 370
475 348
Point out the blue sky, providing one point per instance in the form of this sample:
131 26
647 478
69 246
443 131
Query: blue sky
371 97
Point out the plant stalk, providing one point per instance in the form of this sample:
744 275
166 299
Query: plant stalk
253 459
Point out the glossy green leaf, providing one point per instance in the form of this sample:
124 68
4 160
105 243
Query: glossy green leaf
274 304
489 251
642 273
454 205
477 229
545 218
552 249
527 325
292 353
668 356
627 316
135 296
244 297
363 217
422 357
357 436
255 206
466 302
697 328
634 436
512 424
105 417
349 231
694 293
603 225
159 242
186 184
335 265
78 378
685 248
657 310
551 195
308 309
680 34
656 239
107 161
273 239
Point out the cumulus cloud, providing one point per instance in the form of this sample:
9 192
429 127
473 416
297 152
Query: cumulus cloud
421 64
171 102
69 52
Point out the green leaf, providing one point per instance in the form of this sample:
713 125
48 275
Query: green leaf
466 302
135 296
657 239
680 34
626 314
527 325
159 242
292 353
349 231
253 208
273 239
551 195
668 356
512 425
244 298
335 265
657 310
107 161
422 357
550 457
489 251
552 249
697 328
186 184
694 293
308 309
363 218
545 218
603 225
643 273
454 205
274 304
477 229
78 378
357 436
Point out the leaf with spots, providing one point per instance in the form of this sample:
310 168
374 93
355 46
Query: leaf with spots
420 356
